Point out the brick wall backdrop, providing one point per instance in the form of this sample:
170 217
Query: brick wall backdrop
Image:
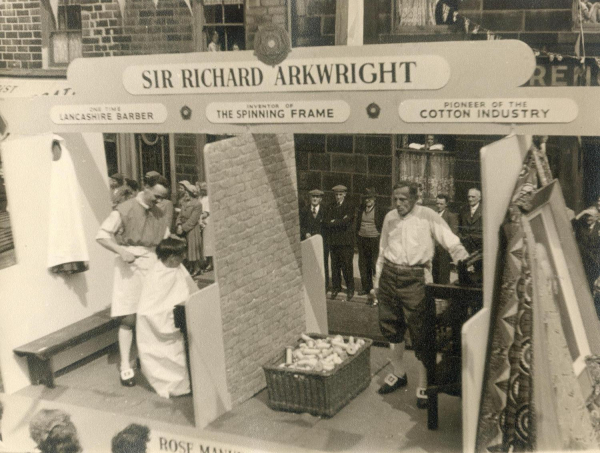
186 157
170 26
145 29
467 169
356 161
20 34
264 11
254 207
314 22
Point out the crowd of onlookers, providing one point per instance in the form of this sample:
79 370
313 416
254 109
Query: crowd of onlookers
346 228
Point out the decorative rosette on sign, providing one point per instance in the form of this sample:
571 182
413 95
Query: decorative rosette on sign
271 44
373 110
186 112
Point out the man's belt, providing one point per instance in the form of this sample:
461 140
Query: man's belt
418 268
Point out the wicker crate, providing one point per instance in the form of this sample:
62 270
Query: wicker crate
319 393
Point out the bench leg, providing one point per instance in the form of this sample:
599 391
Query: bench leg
40 371
432 411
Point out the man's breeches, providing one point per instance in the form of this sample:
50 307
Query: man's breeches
402 306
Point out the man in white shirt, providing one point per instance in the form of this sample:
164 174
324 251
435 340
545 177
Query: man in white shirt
406 250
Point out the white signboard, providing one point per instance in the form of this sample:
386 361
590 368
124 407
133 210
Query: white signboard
23 87
109 114
161 442
278 112
534 110
377 73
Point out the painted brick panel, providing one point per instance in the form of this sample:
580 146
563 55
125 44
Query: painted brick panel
254 204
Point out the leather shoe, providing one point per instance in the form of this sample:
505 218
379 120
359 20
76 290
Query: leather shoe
422 399
334 294
392 383
127 378
372 303
350 295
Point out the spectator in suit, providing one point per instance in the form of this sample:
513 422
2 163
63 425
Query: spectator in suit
311 223
368 229
441 258
311 217
470 223
340 223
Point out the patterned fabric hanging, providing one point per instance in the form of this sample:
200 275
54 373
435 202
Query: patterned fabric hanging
507 420
434 171
415 12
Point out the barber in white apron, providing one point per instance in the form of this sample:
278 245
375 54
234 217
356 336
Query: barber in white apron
132 231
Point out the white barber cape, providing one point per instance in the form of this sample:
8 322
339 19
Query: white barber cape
160 344
66 242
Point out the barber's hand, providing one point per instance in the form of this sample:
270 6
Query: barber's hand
128 257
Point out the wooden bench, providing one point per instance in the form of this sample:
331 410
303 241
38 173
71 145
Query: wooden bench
55 351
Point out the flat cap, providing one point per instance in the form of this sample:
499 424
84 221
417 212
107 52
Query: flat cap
316 192
340 188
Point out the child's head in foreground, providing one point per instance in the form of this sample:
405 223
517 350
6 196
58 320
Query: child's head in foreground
171 252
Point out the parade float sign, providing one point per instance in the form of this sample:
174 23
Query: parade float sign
388 88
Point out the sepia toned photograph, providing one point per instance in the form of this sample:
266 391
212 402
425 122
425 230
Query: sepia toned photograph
299 225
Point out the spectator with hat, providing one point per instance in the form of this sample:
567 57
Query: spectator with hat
120 191
368 229
188 226
311 223
339 221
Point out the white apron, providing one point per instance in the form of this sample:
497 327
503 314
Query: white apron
129 279
160 344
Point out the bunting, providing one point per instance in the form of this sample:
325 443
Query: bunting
54 8
472 28
122 7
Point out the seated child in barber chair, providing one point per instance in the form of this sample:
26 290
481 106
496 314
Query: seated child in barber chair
160 344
